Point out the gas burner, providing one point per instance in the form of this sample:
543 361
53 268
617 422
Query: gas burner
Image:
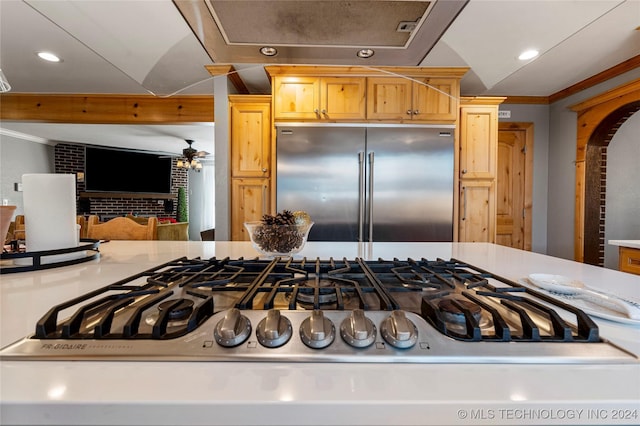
453 310
326 292
178 309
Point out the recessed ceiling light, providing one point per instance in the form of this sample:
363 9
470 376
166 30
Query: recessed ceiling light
528 54
365 53
269 51
48 56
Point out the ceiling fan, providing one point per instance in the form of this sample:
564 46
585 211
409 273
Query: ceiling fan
191 158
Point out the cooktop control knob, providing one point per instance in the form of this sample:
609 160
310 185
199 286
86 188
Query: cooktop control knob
233 329
358 330
398 331
316 331
274 330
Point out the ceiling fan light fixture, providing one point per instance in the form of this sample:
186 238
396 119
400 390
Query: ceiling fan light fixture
268 51
365 53
48 56
528 54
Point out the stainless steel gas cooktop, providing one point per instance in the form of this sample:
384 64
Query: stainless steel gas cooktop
313 310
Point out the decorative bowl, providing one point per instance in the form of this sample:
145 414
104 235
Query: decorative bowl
278 240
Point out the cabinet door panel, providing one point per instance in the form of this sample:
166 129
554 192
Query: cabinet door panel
342 98
296 98
478 142
477 211
249 202
250 140
435 99
388 98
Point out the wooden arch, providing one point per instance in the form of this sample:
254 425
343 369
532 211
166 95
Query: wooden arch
598 120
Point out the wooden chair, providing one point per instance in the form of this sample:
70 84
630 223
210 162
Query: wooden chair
82 221
19 230
121 228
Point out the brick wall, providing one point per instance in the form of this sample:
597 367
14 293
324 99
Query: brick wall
69 158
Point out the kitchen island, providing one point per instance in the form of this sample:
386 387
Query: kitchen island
309 393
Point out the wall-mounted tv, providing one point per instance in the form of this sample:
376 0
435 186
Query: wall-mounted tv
114 170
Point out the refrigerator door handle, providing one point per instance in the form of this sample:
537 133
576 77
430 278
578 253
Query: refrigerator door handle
361 197
370 198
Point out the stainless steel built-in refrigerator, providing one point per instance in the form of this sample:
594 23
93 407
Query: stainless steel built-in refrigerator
368 183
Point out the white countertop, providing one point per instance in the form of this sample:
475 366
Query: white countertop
625 243
231 393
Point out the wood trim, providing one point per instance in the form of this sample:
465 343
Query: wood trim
355 71
591 113
106 109
250 98
232 75
610 95
528 100
603 76
136 195
481 100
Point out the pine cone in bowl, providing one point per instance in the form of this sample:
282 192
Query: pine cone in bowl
279 235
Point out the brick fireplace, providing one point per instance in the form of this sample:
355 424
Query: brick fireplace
70 158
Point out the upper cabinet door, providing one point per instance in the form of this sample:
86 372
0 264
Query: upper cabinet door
250 139
435 99
412 98
342 98
296 98
389 98
478 142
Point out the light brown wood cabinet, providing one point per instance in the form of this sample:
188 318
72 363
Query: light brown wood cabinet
319 98
251 161
477 216
478 145
629 260
250 200
414 98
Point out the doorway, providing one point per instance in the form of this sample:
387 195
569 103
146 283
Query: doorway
514 185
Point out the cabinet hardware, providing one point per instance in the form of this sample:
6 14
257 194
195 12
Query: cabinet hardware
464 203
264 200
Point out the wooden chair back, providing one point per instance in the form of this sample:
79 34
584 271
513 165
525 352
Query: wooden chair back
82 221
121 228
19 230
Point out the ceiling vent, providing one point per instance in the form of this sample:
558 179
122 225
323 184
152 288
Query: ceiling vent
406 26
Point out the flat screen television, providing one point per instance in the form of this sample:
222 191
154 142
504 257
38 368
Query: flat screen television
114 170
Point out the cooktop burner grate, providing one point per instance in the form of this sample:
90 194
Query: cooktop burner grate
460 300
